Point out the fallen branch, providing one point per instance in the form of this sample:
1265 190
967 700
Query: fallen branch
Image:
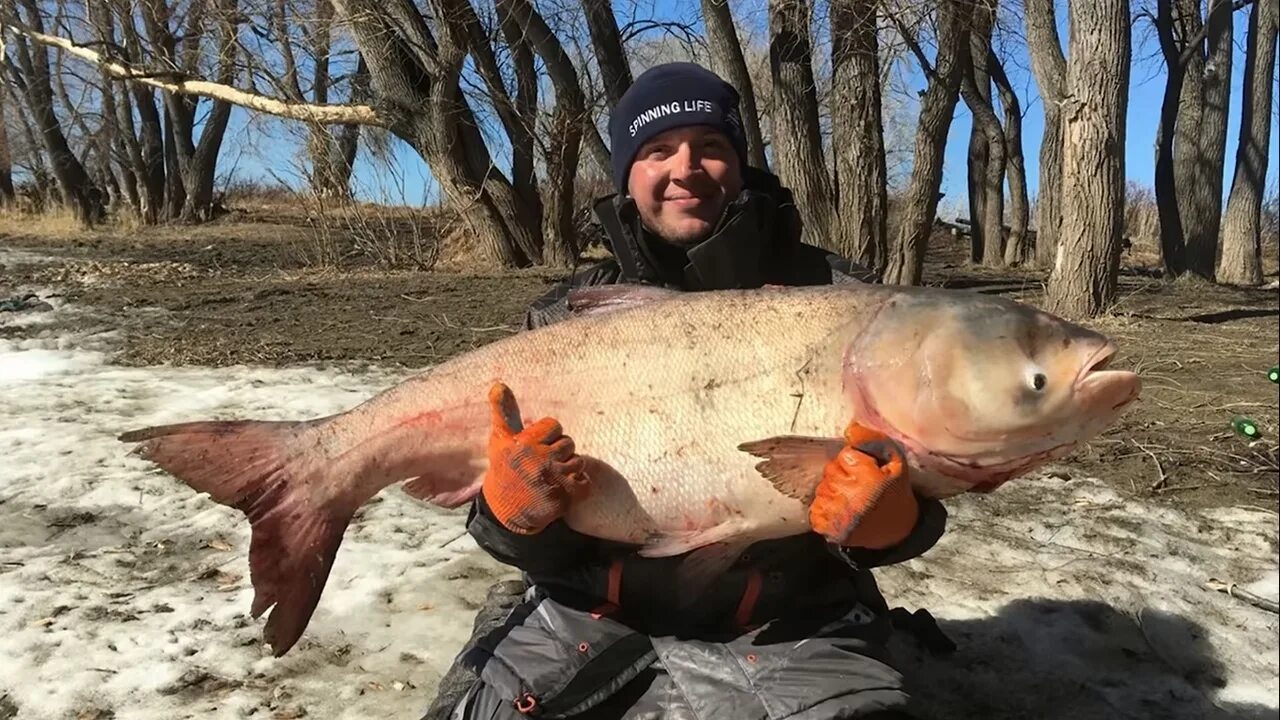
1234 591
175 82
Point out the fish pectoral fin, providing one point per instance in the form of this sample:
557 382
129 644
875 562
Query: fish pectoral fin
793 463
597 299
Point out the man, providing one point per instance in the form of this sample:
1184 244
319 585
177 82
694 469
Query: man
797 627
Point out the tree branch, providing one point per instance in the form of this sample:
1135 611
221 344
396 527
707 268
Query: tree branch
177 83
910 39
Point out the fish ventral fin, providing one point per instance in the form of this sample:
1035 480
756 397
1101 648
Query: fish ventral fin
793 463
711 552
599 299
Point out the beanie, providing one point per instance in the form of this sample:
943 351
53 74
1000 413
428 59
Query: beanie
669 96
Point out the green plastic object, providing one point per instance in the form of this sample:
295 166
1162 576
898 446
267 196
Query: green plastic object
1245 426
1274 374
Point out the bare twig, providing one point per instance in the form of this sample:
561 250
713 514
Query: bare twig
1234 591
1164 478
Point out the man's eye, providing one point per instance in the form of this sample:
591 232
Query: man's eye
657 152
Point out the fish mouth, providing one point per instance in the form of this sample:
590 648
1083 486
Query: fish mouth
1097 362
1098 384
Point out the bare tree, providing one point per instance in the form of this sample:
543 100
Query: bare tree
1083 280
857 134
797 139
30 75
944 75
1017 248
728 60
1241 260
564 139
1049 66
331 148
615 72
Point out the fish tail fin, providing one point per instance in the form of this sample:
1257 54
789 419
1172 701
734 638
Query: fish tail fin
256 467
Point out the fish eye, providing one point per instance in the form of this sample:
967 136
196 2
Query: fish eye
1038 381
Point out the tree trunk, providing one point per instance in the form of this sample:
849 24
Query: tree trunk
77 188
1204 197
729 62
920 204
857 134
987 153
1016 250
606 41
1188 166
1050 70
195 161
146 141
1241 262
1083 280
7 194
1165 178
984 158
797 141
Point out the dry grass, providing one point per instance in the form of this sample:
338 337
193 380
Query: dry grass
56 224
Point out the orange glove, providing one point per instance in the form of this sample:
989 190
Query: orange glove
533 472
864 498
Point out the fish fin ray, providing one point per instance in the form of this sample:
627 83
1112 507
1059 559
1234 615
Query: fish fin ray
439 491
667 544
252 466
793 463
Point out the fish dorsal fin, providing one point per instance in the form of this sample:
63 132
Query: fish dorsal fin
596 299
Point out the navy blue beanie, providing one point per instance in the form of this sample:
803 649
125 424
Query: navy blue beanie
669 96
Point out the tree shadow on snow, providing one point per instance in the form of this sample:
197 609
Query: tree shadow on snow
1070 660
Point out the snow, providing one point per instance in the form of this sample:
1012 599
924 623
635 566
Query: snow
122 591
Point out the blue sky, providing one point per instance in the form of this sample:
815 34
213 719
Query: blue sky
407 180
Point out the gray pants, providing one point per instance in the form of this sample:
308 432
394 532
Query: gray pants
571 664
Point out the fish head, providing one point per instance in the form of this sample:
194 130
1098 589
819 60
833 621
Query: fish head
982 389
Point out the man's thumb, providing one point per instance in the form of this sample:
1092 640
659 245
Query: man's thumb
504 411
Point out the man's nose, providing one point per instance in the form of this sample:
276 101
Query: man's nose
685 161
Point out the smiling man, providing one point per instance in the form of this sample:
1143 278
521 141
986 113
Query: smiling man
797 627
689 213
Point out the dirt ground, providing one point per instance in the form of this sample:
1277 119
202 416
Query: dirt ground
257 287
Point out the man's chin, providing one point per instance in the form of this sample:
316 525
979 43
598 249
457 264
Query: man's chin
686 231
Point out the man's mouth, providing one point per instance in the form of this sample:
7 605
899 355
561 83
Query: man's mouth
684 201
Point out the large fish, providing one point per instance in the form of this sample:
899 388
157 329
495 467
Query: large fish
704 420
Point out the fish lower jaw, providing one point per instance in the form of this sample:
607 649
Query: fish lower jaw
971 475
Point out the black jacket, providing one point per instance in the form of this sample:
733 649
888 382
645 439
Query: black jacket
757 242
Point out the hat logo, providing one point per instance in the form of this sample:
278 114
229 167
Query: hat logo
671 108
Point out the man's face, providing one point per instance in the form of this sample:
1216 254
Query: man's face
682 179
